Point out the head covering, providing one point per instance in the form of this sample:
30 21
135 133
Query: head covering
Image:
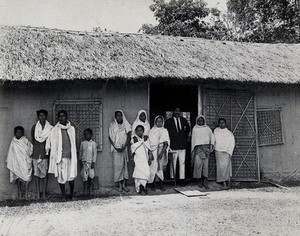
145 124
201 134
163 120
158 135
200 116
118 132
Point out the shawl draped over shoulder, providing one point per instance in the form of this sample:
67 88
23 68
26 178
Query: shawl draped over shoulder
224 140
118 132
202 135
54 143
19 160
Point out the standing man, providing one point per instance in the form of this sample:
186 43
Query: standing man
179 129
39 133
63 155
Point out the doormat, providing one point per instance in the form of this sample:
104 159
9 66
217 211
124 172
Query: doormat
190 191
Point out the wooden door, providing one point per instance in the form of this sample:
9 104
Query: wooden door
238 108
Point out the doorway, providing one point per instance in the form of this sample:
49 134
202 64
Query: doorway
165 97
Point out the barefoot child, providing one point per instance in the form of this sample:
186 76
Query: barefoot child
88 155
140 150
119 138
19 160
39 133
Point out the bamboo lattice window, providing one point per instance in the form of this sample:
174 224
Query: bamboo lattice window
82 114
269 127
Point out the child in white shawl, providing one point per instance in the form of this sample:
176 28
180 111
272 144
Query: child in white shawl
142 119
202 146
159 142
19 160
119 138
140 150
224 146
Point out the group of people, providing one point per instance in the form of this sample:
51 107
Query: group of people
149 149
53 150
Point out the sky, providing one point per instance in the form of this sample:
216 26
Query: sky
124 16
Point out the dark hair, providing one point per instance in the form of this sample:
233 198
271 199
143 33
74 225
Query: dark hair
222 119
19 128
88 130
177 108
62 111
139 126
42 111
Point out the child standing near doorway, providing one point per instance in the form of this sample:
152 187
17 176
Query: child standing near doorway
19 160
88 156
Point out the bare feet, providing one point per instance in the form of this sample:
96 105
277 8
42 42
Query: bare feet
153 187
162 188
126 189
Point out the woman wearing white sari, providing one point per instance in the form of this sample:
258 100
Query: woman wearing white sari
159 142
119 138
202 145
224 146
142 119
140 150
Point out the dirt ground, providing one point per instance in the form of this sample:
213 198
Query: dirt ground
260 211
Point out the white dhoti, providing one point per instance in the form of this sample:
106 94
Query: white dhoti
64 171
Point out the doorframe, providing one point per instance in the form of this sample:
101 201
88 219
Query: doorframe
148 91
257 145
200 98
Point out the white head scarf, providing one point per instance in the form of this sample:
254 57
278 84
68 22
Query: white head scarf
201 134
138 122
118 132
158 135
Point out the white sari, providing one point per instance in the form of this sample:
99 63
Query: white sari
157 137
118 133
224 146
141 171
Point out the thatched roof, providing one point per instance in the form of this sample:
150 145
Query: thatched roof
42 54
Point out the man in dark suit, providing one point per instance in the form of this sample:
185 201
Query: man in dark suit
179 130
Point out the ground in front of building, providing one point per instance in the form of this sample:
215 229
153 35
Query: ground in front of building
259 211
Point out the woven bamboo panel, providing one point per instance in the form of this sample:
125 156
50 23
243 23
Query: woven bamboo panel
239 111
82 114
269 127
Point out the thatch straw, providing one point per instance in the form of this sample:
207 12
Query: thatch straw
42 54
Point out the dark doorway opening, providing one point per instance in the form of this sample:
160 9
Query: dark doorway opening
165 97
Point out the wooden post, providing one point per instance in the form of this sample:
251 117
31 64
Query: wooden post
256 131
149 102
200 99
